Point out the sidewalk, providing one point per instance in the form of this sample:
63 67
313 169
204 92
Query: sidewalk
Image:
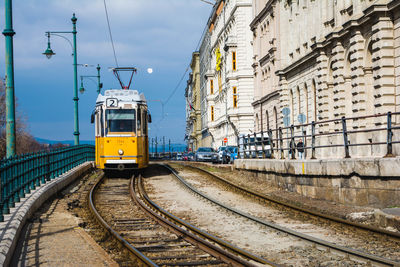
50 236
54 238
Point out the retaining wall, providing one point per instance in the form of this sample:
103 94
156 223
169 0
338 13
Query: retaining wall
373 182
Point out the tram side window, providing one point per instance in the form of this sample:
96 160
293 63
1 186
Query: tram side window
139 121
121 120
102 122
97 120
144 122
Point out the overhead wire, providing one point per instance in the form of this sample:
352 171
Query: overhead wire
186 70
180 81
109 30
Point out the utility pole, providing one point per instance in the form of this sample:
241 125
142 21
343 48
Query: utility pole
163 146
156 146
10 98
169 147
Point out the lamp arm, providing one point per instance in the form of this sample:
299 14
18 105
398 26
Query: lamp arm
89 77
59 35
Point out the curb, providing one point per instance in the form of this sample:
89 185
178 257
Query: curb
13 223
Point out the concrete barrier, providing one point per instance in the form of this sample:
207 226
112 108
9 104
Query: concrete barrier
14 222
371 182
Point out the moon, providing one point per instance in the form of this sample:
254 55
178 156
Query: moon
150 70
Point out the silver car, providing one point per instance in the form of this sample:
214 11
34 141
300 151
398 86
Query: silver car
206 154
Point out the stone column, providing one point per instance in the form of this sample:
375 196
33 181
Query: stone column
339 89
384 74
383 66
357 73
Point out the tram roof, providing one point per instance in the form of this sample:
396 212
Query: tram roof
121 95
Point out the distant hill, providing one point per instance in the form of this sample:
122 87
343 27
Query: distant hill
65 142
174 147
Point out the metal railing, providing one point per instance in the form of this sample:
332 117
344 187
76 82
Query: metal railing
23 173
334 133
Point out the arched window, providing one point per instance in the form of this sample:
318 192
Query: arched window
314 92
298 100
291 104
267 117
305 96
276 118
257 124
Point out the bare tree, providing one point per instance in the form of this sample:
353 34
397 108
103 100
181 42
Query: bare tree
25 142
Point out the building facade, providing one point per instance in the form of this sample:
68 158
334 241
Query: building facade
193 105
332 59
226 74
266 61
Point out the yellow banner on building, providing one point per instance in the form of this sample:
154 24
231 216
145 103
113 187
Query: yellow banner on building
218 59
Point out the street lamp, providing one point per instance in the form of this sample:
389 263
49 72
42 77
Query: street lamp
10 98
99 84
49 53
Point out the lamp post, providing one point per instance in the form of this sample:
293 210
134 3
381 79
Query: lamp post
49 53
99 84
10 99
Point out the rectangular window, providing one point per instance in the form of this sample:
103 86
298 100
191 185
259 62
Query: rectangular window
219 82
121 120
235 97
233 60
212 113
211 87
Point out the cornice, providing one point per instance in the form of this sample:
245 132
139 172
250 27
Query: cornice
266 98
298 63
270 5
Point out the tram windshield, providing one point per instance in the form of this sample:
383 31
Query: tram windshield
121 120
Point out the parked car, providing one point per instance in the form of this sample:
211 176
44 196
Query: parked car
178 156
233 153
221 154
224 154
190 156
253 147
206 154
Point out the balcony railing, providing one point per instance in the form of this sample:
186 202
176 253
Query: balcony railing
322 138
23 173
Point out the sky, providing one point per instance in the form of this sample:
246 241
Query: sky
157 34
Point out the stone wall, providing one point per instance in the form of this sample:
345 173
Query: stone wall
367 182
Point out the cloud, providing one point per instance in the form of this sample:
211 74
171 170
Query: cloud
160 34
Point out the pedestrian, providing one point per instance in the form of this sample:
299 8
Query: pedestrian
300 149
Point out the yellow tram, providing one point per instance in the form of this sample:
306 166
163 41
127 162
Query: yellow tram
121 119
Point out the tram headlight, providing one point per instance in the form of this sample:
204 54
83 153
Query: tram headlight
121 152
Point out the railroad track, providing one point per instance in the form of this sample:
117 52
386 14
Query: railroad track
148 240
320 244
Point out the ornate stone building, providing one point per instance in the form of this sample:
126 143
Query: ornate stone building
226 73
193 108
266 61
331 59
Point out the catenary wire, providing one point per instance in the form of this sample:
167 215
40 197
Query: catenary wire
109 30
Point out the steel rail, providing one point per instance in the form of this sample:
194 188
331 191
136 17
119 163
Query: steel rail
164 217
341 249
104 224
305 210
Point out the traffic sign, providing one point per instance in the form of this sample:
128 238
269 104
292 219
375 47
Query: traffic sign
301 118
286 111
225 140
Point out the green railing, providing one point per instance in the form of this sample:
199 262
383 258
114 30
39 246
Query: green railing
23 173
